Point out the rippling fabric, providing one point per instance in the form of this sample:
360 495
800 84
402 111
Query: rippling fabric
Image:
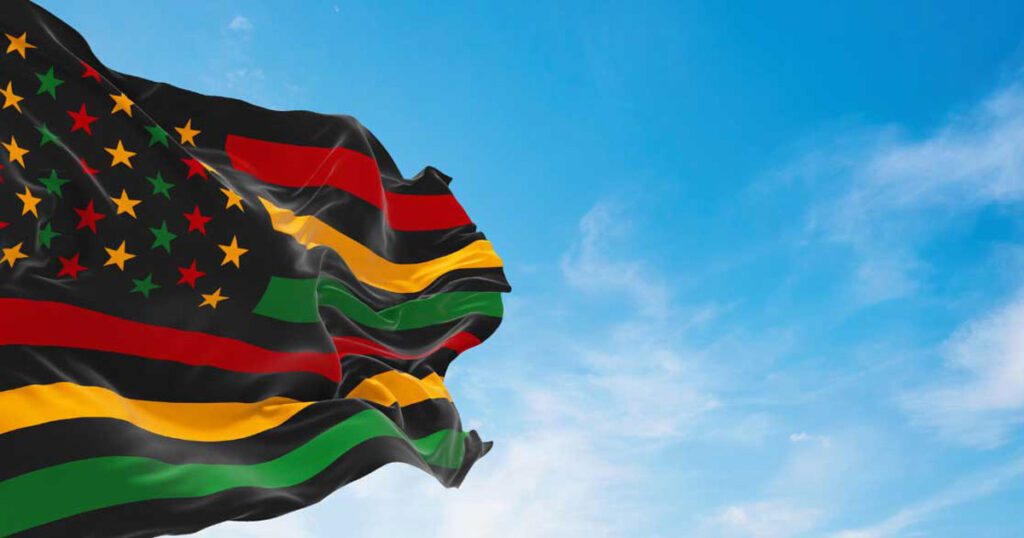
210 311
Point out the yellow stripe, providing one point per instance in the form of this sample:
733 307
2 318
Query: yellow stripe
370 268
38 404
394 386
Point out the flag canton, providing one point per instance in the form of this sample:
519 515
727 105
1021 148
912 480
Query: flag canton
100 205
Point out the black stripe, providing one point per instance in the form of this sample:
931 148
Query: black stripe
148 379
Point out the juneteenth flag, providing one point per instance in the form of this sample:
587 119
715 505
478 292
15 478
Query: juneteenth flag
212 311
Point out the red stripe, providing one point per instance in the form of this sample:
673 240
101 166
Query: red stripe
353 345
289 165
45 323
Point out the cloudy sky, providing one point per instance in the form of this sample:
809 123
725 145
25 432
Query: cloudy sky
768 263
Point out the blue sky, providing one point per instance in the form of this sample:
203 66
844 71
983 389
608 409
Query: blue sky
767 261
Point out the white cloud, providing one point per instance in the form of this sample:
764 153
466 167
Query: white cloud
972 488
974 159
240 23
901 191
982 401
763 519
590 267
804 437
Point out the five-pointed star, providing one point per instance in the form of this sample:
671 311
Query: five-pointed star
90 171
46 235
162 237
195 167
187 133
233 199
144 285
13 254
122 103
48 83
15 154
82 120
232 252
211 299
54 184
11 98
125 204
157 135
90 72
160 186
197 221
70 266
47 135
29 203
88 217
19 44
190 274
119 155
117 256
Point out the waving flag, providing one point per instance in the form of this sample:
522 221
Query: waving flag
208 310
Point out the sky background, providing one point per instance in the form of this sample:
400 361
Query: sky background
768 261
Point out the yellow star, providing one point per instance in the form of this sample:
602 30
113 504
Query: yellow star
15 153
19 44
125 204
211 299
13 254
10 98
29 203
120 155
118 256
188 134
122 103
233 199
232 252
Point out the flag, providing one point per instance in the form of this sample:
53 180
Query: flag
211 311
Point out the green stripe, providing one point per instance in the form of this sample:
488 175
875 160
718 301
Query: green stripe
296 300
67 489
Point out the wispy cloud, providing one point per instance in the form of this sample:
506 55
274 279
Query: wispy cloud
776 518
969 489
236 72
240 23
902 191
590 266
804 437
981 400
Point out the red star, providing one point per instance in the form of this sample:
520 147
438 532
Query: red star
90 72
86 168
197 221
1 177
82 119
190 274
70 267
88 217
194 167
2 225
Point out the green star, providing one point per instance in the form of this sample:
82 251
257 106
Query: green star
46 235
160 186
53 184
157 135
48 83
163 237
144 285
48 135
